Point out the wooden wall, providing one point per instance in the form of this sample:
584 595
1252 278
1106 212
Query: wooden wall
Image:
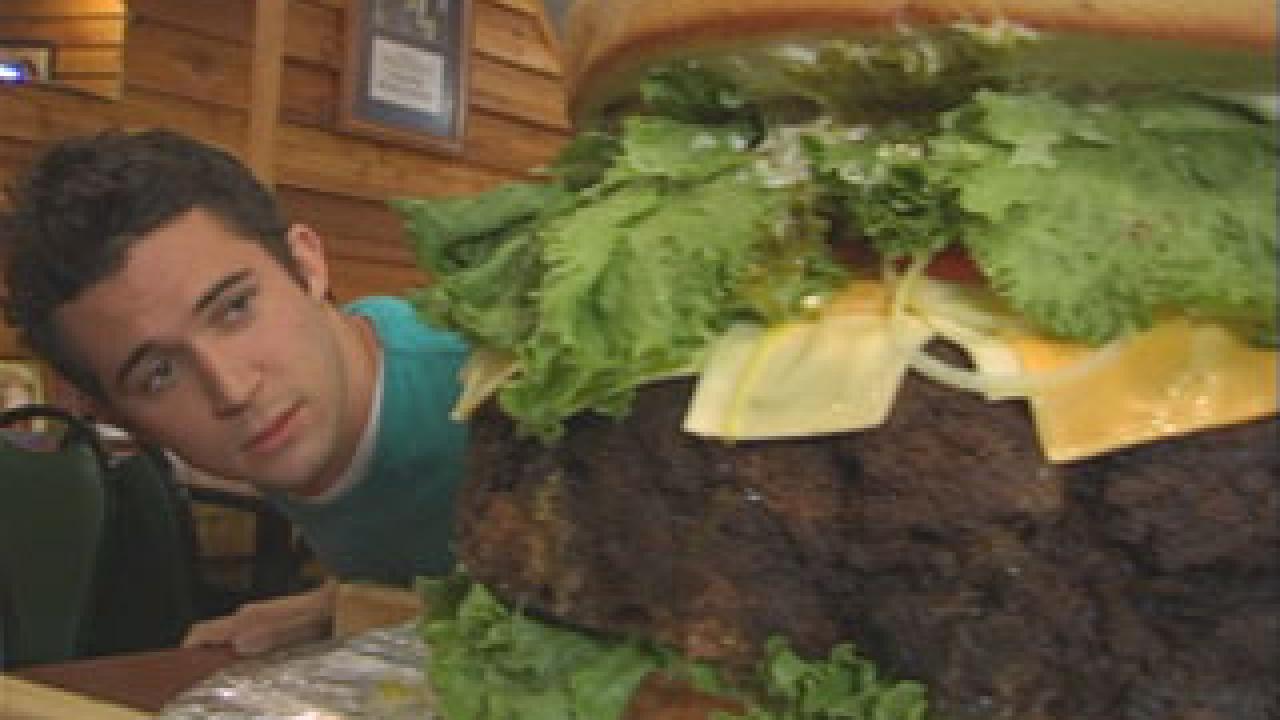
188 66
87 35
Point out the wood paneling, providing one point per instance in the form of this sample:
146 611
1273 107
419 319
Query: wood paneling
198 68
86 35
62 8
93 31
90 61
506 34
40 115
352 227
509 105
351 279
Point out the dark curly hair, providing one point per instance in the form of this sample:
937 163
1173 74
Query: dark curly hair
79 208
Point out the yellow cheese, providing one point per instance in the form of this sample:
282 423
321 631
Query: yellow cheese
841 372
1176 378
484 373
836 373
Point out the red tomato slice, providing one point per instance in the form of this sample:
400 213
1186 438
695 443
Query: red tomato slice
953 264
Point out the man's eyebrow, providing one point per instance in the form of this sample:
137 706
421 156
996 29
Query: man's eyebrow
207 299
219 288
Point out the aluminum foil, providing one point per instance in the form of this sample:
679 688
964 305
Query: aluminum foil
373 675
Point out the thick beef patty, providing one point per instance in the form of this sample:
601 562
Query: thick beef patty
1142 585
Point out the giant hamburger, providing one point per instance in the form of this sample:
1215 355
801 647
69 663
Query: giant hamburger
943 330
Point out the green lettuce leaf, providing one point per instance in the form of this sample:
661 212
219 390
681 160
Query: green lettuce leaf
692 93
488 662
600 291
482 251
1094 220
583 161
845 686
1091 219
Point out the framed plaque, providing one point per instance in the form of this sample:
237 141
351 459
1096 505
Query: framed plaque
405 75
22 383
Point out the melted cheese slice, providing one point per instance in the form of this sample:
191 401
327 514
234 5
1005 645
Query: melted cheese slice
483 374
1176 378
837 373
841 372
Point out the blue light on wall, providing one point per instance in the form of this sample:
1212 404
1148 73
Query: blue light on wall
25 61
15 73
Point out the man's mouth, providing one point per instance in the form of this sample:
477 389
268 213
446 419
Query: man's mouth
275 434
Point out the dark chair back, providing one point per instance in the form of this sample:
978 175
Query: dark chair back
145 595
53 518
97 554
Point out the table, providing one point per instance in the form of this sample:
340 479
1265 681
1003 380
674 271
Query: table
136 685
138 681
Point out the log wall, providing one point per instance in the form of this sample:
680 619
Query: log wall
86 34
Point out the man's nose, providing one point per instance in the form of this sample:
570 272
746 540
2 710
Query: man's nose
229 380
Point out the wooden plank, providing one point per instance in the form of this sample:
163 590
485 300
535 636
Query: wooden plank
508 90
222 126
529 7
24 700
310 98
63 8
229 20
351 279
14 153
264 112
499 142
92 60
40 114
327 162
315 34
513 37
202 67
315 30
162 58
309 95
352 227
102 31
106 86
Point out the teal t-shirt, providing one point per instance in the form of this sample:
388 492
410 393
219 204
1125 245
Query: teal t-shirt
396 522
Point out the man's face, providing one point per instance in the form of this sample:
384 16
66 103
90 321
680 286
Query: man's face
207 346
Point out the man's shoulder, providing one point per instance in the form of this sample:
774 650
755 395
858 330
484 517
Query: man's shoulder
399 327
381 306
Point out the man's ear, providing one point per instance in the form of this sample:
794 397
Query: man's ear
307 249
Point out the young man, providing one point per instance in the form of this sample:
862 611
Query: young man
156 275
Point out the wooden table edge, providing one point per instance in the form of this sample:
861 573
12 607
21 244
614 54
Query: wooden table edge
28 700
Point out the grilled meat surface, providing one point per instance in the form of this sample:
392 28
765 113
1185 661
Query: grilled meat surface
1141 585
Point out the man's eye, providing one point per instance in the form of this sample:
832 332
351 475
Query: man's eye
238 309
158 376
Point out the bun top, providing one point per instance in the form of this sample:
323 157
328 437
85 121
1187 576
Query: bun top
608 42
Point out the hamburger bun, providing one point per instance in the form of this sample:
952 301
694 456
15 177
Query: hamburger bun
609 43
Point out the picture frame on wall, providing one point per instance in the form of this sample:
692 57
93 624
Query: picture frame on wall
22 382
405 77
